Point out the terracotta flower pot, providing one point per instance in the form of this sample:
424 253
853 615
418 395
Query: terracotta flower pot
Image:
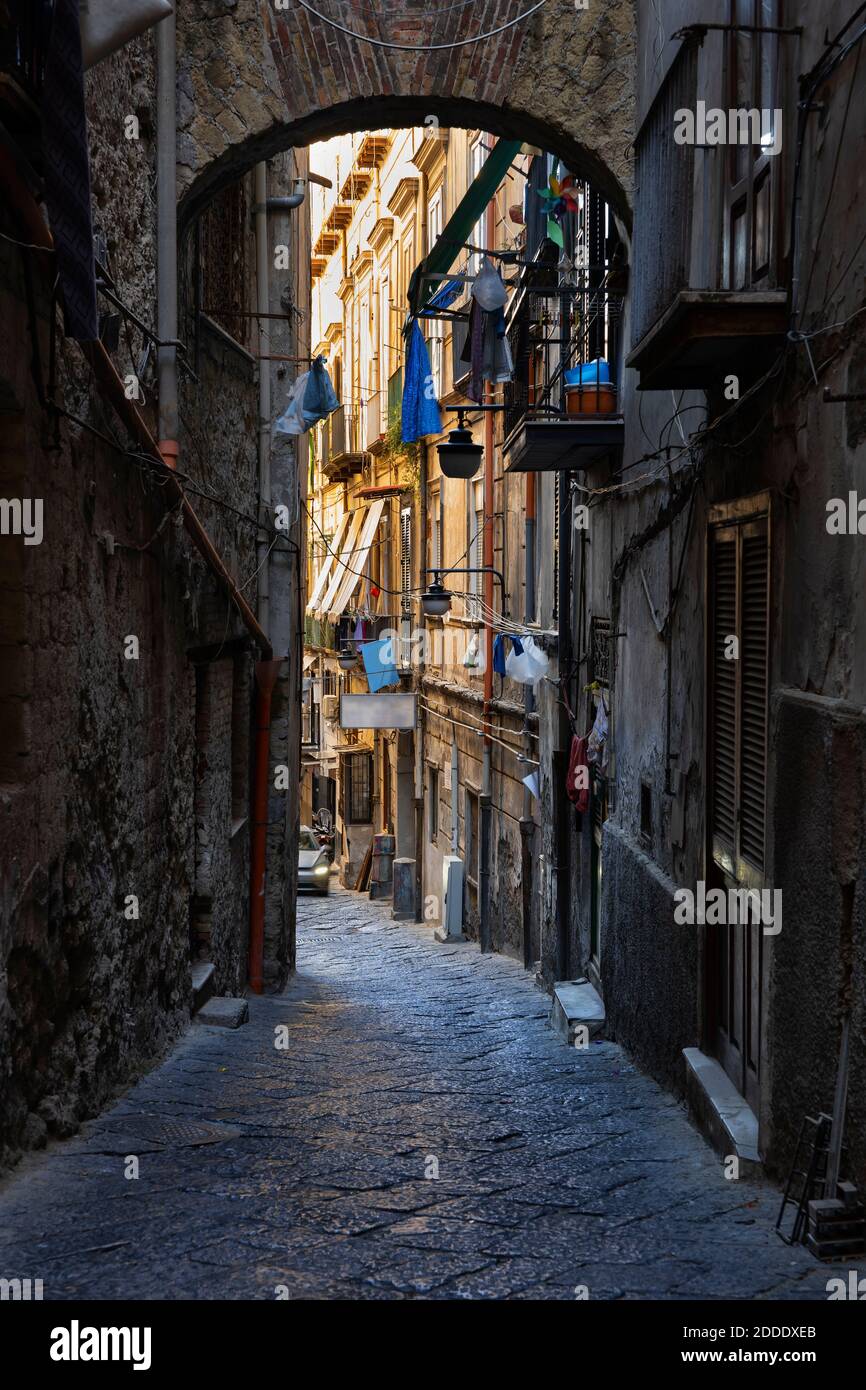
594 399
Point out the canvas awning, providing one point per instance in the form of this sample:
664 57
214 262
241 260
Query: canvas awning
460 224
356 563
321 581
338 573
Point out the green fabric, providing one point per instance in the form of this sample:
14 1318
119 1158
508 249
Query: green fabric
460 225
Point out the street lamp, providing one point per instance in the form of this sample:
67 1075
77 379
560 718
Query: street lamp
436 599
459 455
348 658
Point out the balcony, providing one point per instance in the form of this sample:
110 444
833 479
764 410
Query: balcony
706 296
343 453
554 330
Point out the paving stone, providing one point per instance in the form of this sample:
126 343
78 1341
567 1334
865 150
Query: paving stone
401 1123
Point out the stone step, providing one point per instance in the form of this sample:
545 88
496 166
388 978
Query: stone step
224 1013
202 983
576 1003
720 1112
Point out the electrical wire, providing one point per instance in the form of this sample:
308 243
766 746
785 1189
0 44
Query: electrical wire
458 723
421 47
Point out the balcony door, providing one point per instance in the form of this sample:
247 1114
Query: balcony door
751 175
737 690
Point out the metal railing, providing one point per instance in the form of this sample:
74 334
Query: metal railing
664 183
553 328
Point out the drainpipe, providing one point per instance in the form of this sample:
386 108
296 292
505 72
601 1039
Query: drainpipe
266 679
487 561
166 236
455 791
563 836
527 823
263 305
266 671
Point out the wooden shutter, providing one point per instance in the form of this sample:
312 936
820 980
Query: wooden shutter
406 559
753 691
738 694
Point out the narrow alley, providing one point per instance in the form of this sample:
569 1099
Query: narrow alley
310 1170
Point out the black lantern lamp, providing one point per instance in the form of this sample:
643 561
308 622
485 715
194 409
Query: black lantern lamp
436 600
348 657
459 455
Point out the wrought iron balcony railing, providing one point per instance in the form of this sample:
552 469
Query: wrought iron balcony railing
554 328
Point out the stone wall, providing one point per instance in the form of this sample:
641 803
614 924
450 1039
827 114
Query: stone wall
256 80
115 828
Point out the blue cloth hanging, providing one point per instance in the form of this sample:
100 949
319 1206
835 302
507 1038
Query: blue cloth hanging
379 664
420 412
499 654
517 645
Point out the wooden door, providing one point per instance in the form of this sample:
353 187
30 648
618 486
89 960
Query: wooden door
737 684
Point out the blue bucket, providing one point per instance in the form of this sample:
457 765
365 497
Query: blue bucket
595 373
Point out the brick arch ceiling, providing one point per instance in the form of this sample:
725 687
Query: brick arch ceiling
254 80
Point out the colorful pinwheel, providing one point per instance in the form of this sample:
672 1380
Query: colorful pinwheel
560 197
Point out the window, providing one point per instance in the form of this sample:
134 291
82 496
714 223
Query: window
435 340
475 552
358 785
752 60
435 559
433 804
477 157
737 691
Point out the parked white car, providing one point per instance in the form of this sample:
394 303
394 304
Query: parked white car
314 870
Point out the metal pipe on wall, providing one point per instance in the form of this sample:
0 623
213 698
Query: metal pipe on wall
166 235
485 804
563 836
527 824
263 306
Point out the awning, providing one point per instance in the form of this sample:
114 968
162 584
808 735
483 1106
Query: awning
338 573
459 226
357 562
328 563
309 658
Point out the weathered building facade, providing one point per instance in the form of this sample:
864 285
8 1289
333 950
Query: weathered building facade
128 667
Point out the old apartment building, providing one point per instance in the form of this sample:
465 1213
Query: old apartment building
134 624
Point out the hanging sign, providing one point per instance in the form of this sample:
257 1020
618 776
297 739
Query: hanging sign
395 711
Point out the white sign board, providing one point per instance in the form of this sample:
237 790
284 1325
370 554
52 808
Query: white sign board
377 711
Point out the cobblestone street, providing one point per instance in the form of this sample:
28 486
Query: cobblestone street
556 1168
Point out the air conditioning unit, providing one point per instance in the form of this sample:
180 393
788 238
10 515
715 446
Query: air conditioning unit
452 899
330 707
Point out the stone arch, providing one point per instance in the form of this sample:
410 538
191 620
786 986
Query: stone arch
254 80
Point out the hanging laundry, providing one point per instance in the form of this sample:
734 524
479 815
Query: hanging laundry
379 664
499 654
527 663
496 361
420 409
577 777
488 289
597 750
67 172
313 398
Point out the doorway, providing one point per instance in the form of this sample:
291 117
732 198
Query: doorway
738 597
